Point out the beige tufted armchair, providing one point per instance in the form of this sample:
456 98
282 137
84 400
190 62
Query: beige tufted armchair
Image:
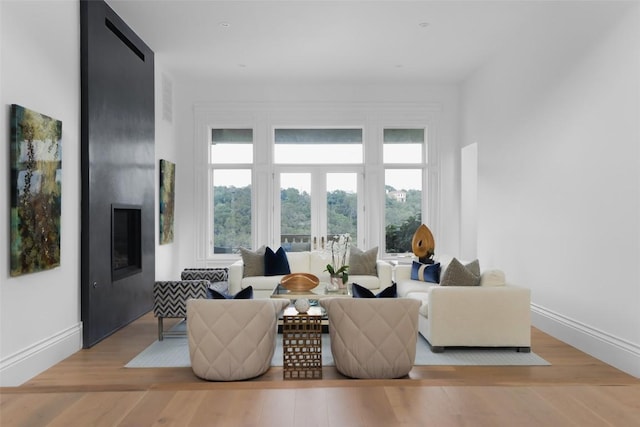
231 340
373 337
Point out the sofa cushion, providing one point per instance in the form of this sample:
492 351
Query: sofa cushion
246 293
363 263
369 282
263 283
318 261
423 297
299 262
425 272
458 274
492 278
253 261
362 292
407 286
275 263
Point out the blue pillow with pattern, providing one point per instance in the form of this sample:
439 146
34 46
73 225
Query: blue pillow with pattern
425 272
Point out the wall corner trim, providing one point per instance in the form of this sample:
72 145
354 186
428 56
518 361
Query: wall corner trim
23 365
615 351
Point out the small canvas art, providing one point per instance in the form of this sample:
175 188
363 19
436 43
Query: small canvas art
167 197
36 191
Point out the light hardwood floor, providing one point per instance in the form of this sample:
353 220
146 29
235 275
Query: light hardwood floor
92 388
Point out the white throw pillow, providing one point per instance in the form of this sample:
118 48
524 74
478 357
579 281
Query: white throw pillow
492 278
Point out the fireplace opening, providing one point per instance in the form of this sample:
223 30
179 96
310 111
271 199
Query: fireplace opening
126 238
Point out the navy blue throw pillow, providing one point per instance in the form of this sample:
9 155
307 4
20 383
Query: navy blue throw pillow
362 292
246 293
425 272
275 263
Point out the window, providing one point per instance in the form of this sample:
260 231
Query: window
329 146
230 146
294 175
403 146
231 189
404 154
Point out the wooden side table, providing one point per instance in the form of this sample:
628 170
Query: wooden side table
301 346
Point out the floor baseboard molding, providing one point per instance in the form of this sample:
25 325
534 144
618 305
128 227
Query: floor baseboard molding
608 348
23 365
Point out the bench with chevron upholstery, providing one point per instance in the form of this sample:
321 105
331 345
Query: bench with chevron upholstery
170 299
218 277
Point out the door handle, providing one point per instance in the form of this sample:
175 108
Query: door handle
315 242
322 240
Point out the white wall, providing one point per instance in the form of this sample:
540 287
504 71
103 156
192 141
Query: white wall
469 202
557 121
40 69
168 144
188 93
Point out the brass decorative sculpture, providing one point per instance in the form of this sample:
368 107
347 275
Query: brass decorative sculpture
423 245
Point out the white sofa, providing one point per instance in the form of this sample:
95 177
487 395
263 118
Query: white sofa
314 262
494 314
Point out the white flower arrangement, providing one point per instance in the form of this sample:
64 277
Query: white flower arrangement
339 247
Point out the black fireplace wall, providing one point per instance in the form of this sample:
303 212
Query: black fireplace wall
118 165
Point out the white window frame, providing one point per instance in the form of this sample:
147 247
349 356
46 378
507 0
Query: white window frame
372 117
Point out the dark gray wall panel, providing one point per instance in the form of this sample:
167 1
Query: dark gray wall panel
118 164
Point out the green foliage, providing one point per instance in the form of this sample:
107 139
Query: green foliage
342 213
232 216
402 219
295 210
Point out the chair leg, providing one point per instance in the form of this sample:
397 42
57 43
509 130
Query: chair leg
160 329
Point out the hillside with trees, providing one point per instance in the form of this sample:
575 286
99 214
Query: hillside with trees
232 218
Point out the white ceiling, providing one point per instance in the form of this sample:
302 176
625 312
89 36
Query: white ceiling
349 41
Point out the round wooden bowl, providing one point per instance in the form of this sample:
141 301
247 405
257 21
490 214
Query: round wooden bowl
299 282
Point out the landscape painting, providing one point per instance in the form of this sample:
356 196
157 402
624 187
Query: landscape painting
167 197
36 191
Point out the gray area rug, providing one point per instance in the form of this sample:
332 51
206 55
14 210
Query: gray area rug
173 352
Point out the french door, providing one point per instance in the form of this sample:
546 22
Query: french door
314 204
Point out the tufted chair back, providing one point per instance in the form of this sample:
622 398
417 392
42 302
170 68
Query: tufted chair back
231 340
373 337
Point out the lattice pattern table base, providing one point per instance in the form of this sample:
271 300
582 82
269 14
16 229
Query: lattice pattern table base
302 347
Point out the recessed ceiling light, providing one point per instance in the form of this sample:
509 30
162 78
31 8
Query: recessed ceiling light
423 24
224 25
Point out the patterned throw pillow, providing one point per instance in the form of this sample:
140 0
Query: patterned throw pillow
253 261
246 293
362 292
457 274
425 272
275 263
363 263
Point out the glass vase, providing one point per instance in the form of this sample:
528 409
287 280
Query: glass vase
335 283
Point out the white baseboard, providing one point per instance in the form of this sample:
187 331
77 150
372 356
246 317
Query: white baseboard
29 362
619 353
